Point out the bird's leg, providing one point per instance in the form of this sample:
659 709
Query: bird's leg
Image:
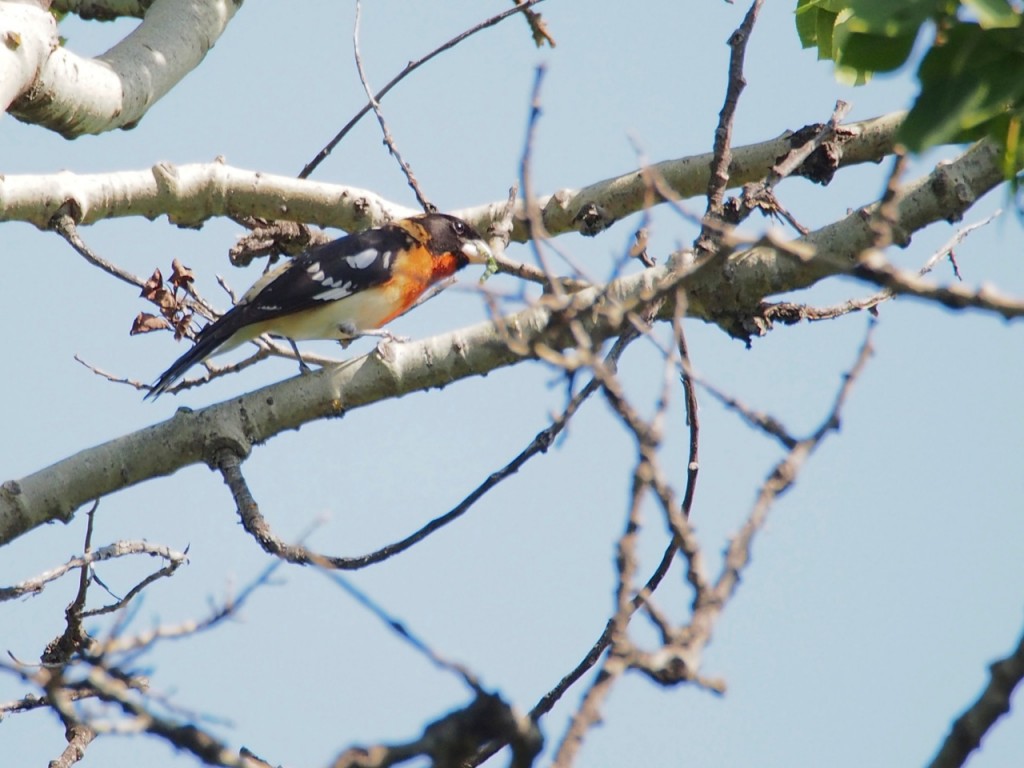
350 333
303 368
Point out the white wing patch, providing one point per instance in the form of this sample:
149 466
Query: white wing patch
315 272
336 291
386 259
363 259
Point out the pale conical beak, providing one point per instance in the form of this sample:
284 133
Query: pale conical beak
477 251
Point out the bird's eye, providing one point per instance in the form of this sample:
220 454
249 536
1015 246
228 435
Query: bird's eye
459 227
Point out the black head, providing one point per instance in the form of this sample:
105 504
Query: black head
442 234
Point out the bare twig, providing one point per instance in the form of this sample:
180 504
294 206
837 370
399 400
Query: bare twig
781 479
89 673
762 421
64 225
968 730
538 28
118 549
615 663
875 268
403 632
621 654
254 522
118 642
409 69
719 178
789 313
452 740
184 736
796 156
692 420
79 737
537 233
761 195
427 206
549 699
884 220
589 711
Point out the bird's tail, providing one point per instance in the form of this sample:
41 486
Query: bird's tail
209 340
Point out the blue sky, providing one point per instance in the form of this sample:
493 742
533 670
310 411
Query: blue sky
883 585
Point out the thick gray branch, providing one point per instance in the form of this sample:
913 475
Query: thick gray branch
191 194
593 208
727 295
46 84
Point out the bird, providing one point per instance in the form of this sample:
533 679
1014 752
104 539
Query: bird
341 289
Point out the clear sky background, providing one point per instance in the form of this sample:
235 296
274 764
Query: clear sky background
883 586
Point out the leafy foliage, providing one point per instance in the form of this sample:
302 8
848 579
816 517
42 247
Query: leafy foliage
971 76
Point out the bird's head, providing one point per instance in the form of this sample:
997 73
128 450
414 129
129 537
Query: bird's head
452 243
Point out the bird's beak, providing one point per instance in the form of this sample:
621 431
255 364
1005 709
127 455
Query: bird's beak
477 251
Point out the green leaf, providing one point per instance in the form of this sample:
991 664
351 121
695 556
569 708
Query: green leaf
879 35
806 18
850 76
832 6
970 85
814 27
893 18
875 53
826 23
994 14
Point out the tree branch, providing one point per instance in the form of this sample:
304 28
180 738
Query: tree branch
718 179
44 83
725 293
994 702
191 194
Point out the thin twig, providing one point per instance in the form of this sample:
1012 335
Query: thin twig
797 155
428 207
875 268
256 525
408 70
534 219
692 420
761 195
589 711
549 699
782 478
718 181
118 643
79 737
64 225
762 421
403 632
968 730
789 313
36 585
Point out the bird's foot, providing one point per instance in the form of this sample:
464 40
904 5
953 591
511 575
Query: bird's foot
303 368
350 334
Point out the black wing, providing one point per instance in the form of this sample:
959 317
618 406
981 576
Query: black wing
324 273
327 273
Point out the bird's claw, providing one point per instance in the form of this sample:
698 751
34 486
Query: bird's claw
350 334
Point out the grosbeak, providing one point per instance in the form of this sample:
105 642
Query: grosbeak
342 288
